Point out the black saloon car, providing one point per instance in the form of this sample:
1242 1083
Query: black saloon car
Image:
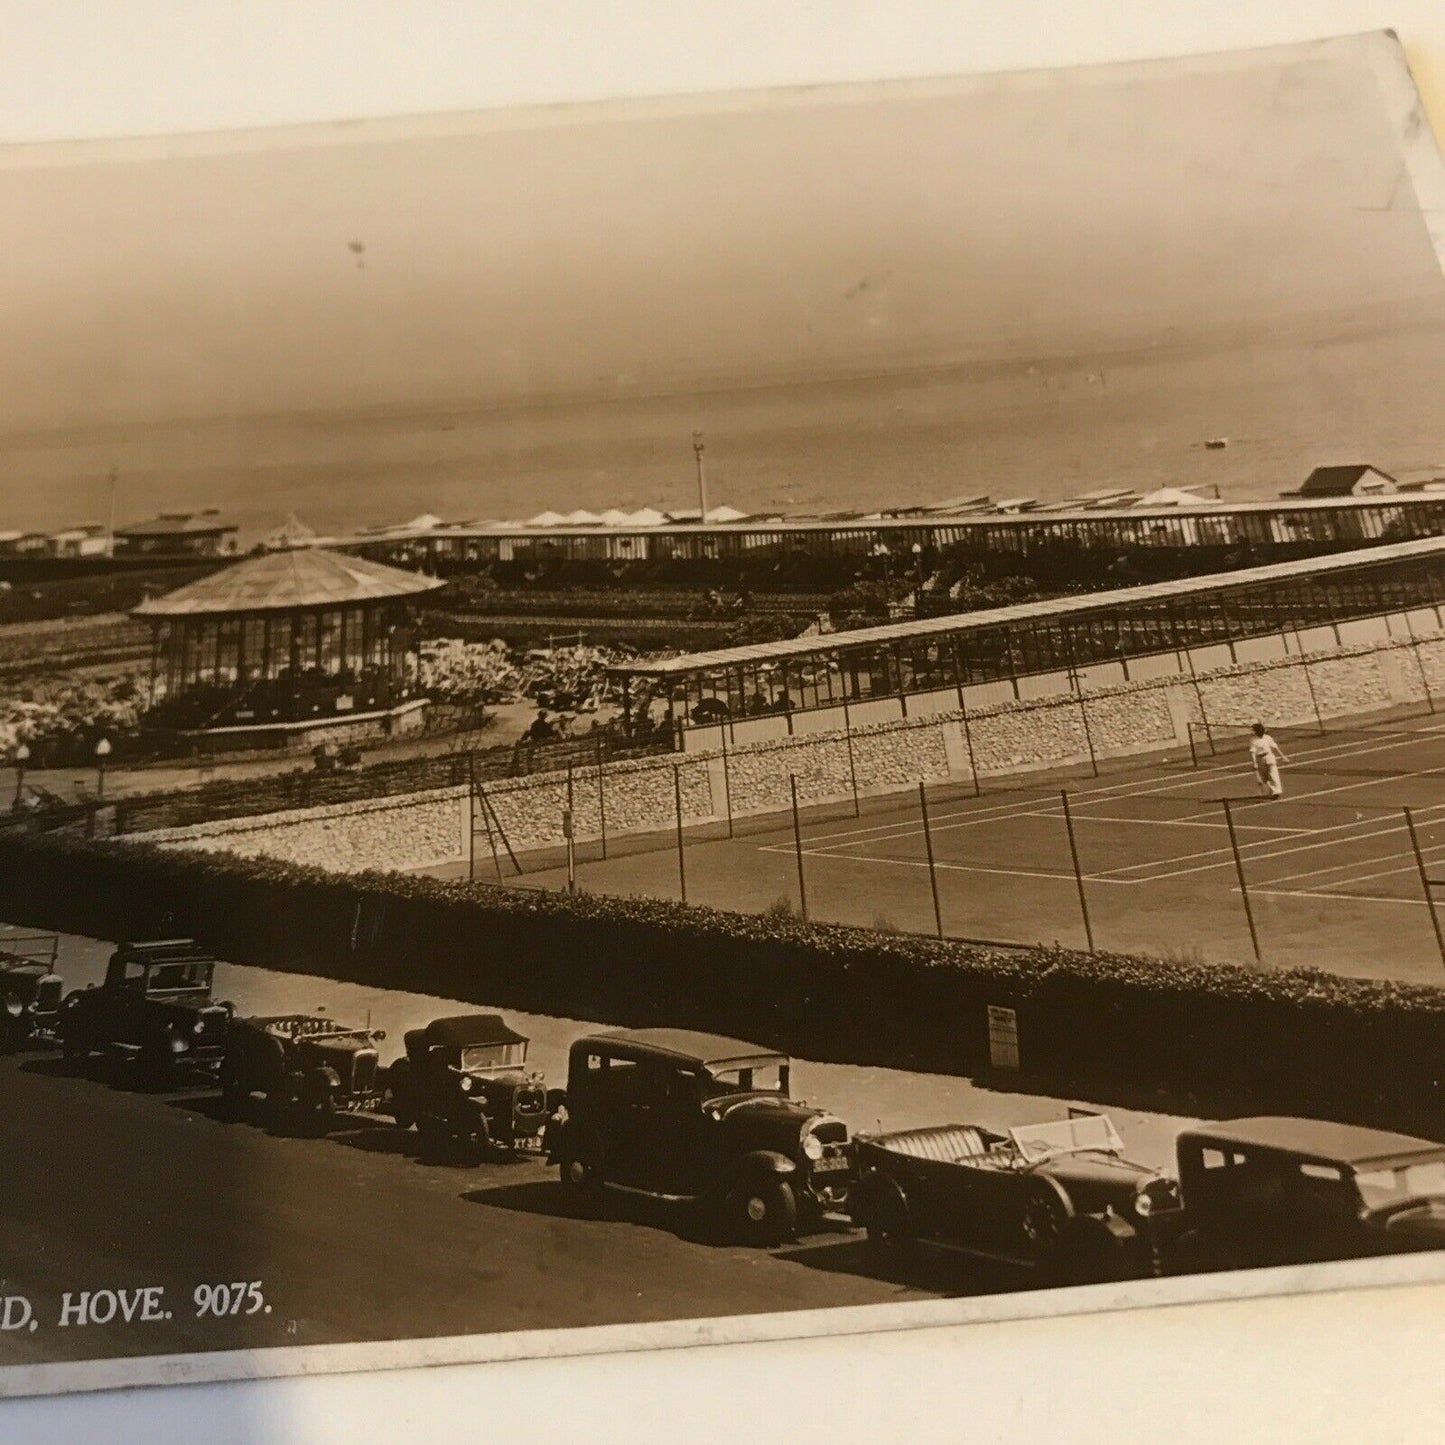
305 1067
30 988
1270 1191
1058 1199
154 1008
464 1082
692 1117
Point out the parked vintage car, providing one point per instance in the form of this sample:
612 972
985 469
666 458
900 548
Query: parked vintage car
691 1117
1270 1191
154 1009
30 988
1057 1198
464 1082
305 1067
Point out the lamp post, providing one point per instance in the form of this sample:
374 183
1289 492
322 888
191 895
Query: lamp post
697 450
22 756
102 752
917 550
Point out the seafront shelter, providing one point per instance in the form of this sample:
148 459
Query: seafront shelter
286 649
1037 649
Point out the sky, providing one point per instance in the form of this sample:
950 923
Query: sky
346 267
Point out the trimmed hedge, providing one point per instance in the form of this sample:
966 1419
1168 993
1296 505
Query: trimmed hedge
1210 1038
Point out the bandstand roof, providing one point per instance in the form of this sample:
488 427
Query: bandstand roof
288 581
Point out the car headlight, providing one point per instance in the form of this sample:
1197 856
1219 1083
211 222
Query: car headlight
1143 1205
199 1027
466 1084
813 1147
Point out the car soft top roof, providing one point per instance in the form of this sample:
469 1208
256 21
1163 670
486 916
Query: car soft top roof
1321 1138
165 950
465 1031
707 1049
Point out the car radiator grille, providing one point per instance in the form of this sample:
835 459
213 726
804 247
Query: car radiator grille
47 995
363 1071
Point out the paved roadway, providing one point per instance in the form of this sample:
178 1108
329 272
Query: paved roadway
353 1238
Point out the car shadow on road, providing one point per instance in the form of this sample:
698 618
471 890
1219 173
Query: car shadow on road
116 1074
937 1272
51 1067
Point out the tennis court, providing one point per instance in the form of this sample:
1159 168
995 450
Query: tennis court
1332 877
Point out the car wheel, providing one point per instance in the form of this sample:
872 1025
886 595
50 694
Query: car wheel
317 1114
1090 1254
154 1070
233 1096
767 1212
890 1230
581 1179
434 1138
1044 1219
1195 1253
399 1082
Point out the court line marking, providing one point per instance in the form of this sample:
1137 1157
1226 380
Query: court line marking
1335 897
1227 860
1256 851
1130 788
1224 857
1024 807
1408 866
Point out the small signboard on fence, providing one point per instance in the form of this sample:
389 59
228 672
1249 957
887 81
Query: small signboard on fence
1003 1037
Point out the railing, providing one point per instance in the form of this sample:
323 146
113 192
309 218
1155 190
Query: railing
311 788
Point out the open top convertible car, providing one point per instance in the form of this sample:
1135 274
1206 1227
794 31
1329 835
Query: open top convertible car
1272 1191
464 1081
154 1008
307 1067
30 988
1056 1198
688 1116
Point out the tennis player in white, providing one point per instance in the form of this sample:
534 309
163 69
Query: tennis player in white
1264 753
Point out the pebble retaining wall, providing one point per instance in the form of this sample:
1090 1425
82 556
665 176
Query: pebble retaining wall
1145 715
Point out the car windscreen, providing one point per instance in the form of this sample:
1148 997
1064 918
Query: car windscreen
1407 1180
168 976
493 1056
745 1076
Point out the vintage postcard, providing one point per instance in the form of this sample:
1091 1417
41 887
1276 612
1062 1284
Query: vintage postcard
697 720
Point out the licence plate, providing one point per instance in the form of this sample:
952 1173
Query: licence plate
530 1142
829 1164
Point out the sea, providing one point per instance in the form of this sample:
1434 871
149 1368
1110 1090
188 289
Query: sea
1281 402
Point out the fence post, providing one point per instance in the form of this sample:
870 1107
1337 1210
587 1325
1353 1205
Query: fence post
1088 734
677 802
471 819
1420 663
1310 684
798 848
1078 872
727 782
491 837
932 867
1243 884
501 831
852 767
1193 751
601 800
1425 883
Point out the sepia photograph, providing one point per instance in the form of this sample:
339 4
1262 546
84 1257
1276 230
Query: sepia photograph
726 717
